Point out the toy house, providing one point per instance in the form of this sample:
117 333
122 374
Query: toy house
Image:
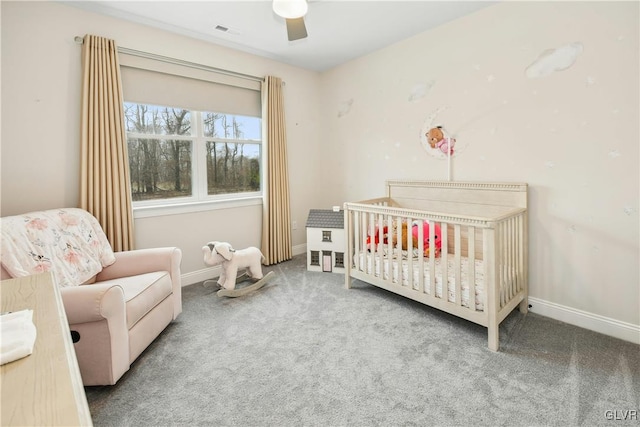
325 240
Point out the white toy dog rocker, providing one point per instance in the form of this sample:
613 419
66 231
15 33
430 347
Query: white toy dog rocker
231 260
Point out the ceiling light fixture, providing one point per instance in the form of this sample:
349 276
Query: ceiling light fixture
290 9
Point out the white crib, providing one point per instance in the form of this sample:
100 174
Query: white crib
481 271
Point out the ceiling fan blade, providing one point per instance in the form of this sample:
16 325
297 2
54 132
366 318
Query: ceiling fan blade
296 29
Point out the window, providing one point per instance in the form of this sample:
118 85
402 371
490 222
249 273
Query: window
193 133
340 259
178 155
315 258
326 236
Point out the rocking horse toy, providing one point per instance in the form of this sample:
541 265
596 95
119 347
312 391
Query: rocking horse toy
231 260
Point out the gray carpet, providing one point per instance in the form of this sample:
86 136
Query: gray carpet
304 351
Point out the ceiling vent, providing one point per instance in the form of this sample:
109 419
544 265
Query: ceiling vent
228 30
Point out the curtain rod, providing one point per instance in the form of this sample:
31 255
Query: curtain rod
133 52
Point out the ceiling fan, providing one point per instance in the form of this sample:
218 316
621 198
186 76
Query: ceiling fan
293 11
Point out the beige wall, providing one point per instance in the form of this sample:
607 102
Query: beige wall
572 135
40 122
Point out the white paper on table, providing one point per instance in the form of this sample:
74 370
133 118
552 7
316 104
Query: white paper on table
17 335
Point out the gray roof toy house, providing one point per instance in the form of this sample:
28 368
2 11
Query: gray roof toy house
325 218
325 240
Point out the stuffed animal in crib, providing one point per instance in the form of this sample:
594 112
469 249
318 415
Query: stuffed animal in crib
437 140
221 253
437 237
376 238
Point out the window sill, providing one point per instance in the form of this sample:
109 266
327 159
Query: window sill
190 207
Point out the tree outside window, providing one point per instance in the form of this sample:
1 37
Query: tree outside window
181 155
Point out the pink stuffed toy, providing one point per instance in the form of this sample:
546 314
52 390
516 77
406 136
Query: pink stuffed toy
446 144
437 237
437 140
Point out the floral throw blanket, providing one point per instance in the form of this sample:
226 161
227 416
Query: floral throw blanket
69 243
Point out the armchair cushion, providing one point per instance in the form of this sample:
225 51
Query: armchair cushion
142 261
67 242
142 293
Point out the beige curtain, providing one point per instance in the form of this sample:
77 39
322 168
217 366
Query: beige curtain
104 182
276 215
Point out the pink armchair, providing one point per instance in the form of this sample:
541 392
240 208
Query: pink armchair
116 303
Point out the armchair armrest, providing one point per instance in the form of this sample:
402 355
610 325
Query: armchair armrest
93 303
97 313
140 261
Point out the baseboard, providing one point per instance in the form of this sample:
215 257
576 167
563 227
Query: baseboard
200 275
583 319
299 249
211 272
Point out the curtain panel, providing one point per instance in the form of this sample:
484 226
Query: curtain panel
105 188
276 215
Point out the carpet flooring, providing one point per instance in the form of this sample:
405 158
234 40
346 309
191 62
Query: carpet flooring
305 351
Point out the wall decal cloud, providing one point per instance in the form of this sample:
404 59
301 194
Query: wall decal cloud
553 60
419 91
345 107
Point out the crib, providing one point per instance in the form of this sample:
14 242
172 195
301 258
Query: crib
477 269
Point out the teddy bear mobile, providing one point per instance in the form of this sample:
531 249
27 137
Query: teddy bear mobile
438 140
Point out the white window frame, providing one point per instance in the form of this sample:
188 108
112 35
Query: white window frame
200 200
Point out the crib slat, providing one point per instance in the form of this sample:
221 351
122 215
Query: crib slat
421 256
366 225
503 262
520 272
471 239
500 250
380 245
432 259
409 253
398 249
524 247
512 258
355 226
518 252
362 232
390 248
444 264
372 246
350 244
502 257
458 278
491 284
507 267
510 263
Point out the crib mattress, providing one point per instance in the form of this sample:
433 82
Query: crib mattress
367 260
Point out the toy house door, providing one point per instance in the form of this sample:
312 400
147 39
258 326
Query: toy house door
326 261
